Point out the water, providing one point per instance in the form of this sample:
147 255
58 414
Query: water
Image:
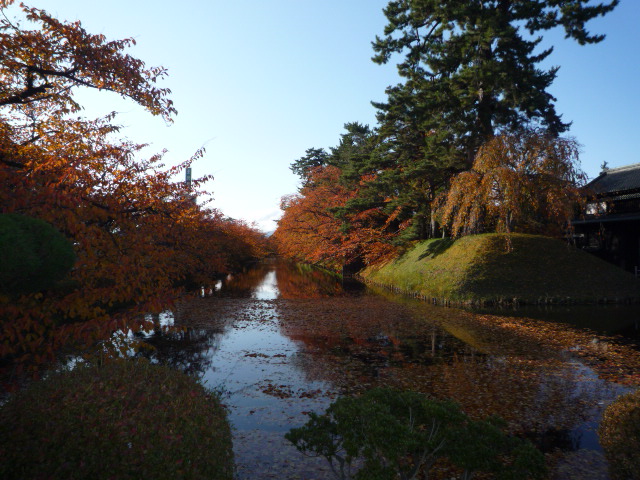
280 341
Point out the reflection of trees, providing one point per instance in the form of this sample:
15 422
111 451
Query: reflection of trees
209 313
490 365
191 342
240 284
245 283
365 335
616 318
190 350
301 281
536 396
360 342
293 280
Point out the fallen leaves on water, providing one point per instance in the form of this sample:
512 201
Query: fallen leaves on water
545 379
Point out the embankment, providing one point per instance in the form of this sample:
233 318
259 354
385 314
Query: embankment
479 270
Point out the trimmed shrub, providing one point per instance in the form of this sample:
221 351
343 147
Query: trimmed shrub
123 420
399 434
620 436
33 254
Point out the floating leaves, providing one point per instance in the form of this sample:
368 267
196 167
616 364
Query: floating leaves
549 381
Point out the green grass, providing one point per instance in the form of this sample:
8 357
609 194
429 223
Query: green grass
479 270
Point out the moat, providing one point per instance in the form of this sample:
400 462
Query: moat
280 341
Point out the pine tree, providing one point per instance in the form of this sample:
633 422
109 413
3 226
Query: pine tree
471 69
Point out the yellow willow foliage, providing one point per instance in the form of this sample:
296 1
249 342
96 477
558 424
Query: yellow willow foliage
520 182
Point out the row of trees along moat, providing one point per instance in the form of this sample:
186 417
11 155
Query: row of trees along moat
468 142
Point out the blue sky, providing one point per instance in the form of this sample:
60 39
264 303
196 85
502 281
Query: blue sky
257 82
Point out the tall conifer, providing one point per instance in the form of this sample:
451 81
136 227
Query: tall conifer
470 69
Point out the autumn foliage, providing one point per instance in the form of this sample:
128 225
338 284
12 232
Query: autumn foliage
308 231
524 182
467 141
311 230
619 435
138 234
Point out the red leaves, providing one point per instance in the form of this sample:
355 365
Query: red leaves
138 235
310 230
136 238
61 55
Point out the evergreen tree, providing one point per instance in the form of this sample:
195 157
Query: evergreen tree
313 158
351 155
471 70
358 157
340 210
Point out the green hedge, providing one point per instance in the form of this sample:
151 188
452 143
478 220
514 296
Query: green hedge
620 436
124 420
402 434
33 254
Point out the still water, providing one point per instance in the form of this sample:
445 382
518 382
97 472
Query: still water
280 341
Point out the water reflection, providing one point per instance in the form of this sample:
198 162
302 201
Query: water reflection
302 281
191 350
367 342
268 288
267 281
249 361
609 319
280 341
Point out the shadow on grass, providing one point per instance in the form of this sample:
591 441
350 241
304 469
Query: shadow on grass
436 247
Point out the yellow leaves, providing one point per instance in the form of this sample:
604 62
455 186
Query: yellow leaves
525 182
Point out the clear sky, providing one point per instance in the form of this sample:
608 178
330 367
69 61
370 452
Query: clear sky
257 82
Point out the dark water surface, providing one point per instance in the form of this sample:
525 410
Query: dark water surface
280 341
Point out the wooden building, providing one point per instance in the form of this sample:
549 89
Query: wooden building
610 225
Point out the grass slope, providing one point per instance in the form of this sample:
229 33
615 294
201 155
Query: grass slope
478 269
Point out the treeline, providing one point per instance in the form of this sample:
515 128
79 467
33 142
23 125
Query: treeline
468 142
137 233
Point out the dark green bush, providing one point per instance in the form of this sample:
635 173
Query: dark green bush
620 436
399 434
33 254
124 420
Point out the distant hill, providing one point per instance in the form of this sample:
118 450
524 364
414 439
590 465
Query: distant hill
479 270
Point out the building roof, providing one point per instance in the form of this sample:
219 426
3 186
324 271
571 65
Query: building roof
617 180
616 217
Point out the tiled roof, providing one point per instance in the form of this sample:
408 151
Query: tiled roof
617 179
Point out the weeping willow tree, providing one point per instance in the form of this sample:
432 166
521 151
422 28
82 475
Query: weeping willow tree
526 182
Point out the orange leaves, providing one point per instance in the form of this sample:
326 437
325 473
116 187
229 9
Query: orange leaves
310 229
307 230
45 64
138 235
522 182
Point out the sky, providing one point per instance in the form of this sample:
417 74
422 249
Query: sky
257 82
